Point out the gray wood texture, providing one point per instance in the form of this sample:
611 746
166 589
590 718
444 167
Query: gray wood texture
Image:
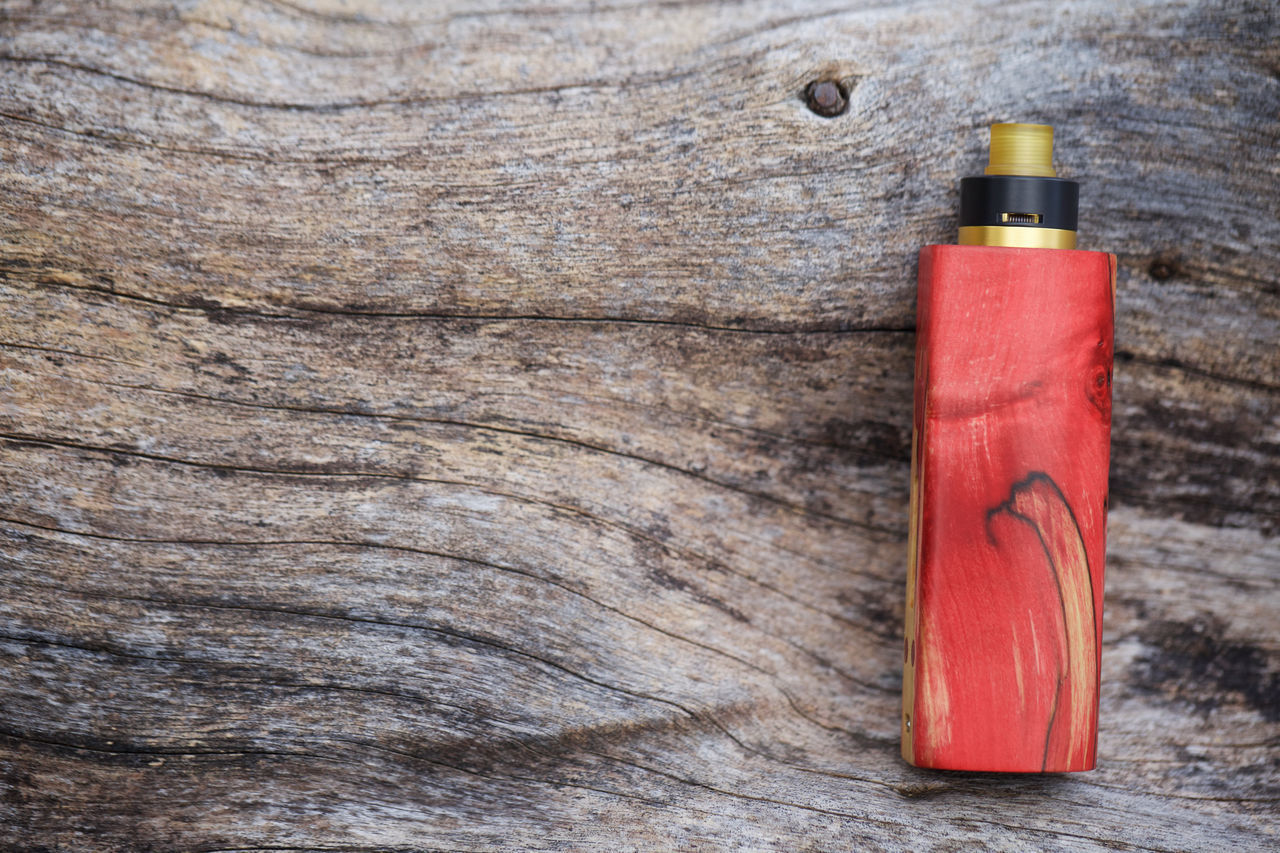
482 425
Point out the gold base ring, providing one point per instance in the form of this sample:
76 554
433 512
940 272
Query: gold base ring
1016 236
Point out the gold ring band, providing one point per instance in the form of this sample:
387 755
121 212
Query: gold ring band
1017 236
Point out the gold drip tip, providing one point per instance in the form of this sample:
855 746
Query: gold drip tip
1021 149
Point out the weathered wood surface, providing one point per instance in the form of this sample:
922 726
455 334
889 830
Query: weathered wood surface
442 426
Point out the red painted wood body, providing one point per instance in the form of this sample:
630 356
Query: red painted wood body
1010 453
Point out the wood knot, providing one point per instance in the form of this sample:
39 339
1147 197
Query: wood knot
1162 269
827 98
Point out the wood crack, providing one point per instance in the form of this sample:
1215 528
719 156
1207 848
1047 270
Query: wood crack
7 732
464 636
24 438
261 608
653 79
759 798
1192 370
102 137
205 307
73 353
665 546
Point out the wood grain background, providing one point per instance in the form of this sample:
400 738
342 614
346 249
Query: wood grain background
475 425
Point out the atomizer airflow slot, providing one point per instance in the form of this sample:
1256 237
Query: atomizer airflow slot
1020 218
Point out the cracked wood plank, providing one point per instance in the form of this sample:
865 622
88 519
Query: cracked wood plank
468 426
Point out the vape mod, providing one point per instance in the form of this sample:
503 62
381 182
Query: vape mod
1009 459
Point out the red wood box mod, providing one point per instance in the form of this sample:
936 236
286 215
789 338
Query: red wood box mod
1010 453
